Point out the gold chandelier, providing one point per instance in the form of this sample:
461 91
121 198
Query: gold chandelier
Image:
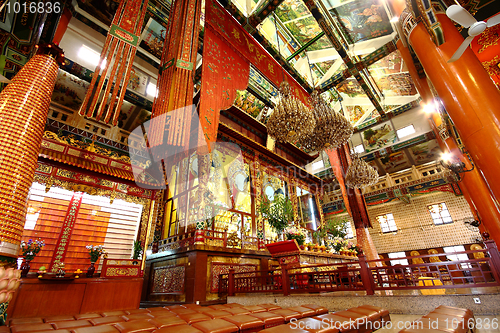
360 174
291 119
332 128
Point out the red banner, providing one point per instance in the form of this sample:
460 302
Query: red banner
66 229
228 28
224 71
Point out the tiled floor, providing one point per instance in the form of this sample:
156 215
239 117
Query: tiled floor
484 324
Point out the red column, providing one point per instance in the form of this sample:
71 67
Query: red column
470 97
473 186
356 203
62 26
24 105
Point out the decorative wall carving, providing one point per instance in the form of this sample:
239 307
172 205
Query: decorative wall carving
223 268
169 279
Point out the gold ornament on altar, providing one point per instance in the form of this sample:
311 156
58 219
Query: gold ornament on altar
291 119
332 128
360 174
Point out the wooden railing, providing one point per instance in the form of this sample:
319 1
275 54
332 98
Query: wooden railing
483 271
442 274
215 237
252 282
328 277
176 242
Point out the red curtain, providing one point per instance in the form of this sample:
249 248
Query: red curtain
224 71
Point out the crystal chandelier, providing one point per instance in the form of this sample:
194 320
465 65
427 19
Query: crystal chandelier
291 120
360 174
332 128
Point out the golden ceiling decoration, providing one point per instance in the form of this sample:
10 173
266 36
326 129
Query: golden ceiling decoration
291 119
332 128
360 174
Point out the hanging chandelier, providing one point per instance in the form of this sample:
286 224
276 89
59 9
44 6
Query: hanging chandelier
291 120
332 128
360 174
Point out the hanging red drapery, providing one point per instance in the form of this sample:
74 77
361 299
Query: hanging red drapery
230 52
115 64
224 72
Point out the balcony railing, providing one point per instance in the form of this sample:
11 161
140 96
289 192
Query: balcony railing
482 271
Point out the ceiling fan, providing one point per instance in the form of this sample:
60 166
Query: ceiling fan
464 18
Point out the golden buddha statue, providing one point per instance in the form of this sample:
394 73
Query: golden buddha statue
416 261
434 258
477 255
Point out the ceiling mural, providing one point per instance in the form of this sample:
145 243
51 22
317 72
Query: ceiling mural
351 88
69 90
395 162
425 152
138 82
359 114
379 136
363 20
249 103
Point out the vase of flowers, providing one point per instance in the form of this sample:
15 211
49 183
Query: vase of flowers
95 253
29 251
295 233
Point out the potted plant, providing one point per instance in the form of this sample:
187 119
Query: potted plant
29 251
138 251
279 212
95 253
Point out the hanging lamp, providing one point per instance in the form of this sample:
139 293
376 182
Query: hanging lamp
360 174
332 128
291 120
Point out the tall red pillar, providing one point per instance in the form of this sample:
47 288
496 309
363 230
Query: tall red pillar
340 160
474 187
24 105
469 96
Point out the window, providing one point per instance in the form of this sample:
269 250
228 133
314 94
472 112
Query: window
440 214
359 149
151 90
91 56
456 257
405 131
387 223
348 230
318 165
398 261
